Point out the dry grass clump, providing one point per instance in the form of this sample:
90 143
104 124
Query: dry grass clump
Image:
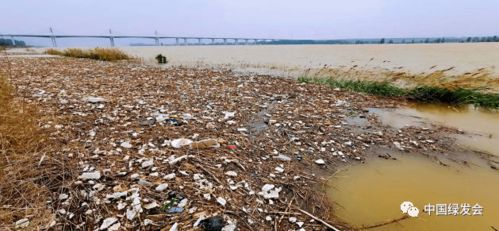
28 173
107 54
104 54
52 51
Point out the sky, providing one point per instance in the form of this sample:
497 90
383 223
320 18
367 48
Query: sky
279 19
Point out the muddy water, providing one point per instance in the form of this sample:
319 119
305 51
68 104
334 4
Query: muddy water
369 194
480 127
412 57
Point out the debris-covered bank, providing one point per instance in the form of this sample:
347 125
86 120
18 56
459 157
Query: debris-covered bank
187 149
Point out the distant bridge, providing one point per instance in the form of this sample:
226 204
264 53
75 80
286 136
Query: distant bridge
156 38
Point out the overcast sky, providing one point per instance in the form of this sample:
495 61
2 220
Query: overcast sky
315 19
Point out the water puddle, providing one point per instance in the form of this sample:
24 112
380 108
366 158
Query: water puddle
368 194
480 127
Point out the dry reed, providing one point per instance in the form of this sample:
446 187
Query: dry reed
29 171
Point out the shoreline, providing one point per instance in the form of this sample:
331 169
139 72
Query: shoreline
303 123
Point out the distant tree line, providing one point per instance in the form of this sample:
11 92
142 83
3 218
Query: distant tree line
388 40
10 43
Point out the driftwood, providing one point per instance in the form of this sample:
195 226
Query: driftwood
209 173
385 223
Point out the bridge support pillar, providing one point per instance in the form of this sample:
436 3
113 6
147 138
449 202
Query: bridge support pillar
111 38
212 41
13 40
156 39
185 41
52 37
199 41
225 41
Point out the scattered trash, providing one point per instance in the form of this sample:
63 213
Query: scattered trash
228 115
149 121
282 157
161 187
207 143
231 147
221 201
126 145
174 227
94 99
169 176
23 223
90 175
161 59
178 143
108 222
173 122
175 210
269 191
320 162
242 130
125 139
212 224
147 163
231 173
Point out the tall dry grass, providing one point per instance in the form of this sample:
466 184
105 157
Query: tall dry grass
52 51
29 169
103 54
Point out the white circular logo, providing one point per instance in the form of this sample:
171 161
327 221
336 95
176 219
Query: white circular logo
408 208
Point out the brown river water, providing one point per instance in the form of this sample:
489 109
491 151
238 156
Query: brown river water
480 127
371 193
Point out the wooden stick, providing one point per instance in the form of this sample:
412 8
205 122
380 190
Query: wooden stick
209 173
318 219
386 223
287 208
